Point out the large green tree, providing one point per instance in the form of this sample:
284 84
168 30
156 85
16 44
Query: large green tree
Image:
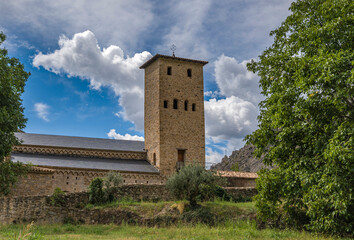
306 121
12 83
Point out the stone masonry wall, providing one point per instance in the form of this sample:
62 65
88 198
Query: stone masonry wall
40 209
168 130
70 180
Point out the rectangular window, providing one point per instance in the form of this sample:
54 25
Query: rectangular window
193 107
189 72
169 70
165 104
186 105
175 104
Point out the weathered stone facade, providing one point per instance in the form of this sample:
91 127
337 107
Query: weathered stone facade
42 181
174 112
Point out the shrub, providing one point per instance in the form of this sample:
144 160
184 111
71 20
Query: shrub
57 199
111 183
96 194
191 182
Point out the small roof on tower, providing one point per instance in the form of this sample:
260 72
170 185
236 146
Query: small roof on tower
151 60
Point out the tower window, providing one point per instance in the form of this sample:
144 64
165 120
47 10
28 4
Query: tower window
189 72
175 104
186 105
165 104
193 107
169 70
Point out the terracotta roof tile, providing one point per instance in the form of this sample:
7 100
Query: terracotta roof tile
151 60
238 174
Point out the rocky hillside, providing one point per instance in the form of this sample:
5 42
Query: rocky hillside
246 162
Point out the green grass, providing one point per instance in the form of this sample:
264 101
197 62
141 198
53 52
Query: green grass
230 230
233 228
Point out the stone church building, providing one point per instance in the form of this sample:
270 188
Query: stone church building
174 136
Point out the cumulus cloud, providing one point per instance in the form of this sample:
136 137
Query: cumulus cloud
82 57
229 118
113 134
212 157
42 110
234 79
111 20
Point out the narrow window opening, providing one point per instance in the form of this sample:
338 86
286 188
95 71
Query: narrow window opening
169 70
193 107
189 72
154 158
124 181
165 104
136 181
147 182
186 105
175 104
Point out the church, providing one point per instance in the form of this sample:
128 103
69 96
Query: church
174 130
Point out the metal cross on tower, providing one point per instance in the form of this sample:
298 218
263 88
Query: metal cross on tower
173 48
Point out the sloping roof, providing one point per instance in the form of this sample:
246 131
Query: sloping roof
151 60
238 174
128 165
80 142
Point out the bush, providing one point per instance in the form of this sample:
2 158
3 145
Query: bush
57 199
96 194
111 183
192 182
199 215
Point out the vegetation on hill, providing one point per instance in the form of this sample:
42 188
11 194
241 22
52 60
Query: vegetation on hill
12 83
306 121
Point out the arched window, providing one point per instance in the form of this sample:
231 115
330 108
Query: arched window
189 72
193 107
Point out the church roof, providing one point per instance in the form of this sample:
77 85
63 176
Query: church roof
80 142
128 165
151 60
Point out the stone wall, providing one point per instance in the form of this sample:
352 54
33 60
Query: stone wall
240 182
168 130
41 210
43 182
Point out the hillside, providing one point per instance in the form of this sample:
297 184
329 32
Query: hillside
244 158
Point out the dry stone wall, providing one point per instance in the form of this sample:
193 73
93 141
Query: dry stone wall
41 210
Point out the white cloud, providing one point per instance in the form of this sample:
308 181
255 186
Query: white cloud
113 134
42 110
212 157
229 118
187 26
234 79
82 57
111 20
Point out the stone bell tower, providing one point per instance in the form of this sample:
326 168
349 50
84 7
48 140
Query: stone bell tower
174 112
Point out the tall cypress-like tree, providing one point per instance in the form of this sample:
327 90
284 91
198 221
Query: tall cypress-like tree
12 83
306 122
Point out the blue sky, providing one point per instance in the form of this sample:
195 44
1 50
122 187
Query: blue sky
84 59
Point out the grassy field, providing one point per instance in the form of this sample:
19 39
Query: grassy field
231 230
239 227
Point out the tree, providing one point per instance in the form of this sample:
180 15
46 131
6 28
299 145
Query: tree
12 83
306 121
190 182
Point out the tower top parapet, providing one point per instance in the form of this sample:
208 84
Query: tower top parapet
154 58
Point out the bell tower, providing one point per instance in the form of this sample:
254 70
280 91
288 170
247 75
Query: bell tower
174 112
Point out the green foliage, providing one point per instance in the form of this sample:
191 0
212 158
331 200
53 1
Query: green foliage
306 120
111 183
96 194
9 174
57 199
102 190
190 182
235 167
12 83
